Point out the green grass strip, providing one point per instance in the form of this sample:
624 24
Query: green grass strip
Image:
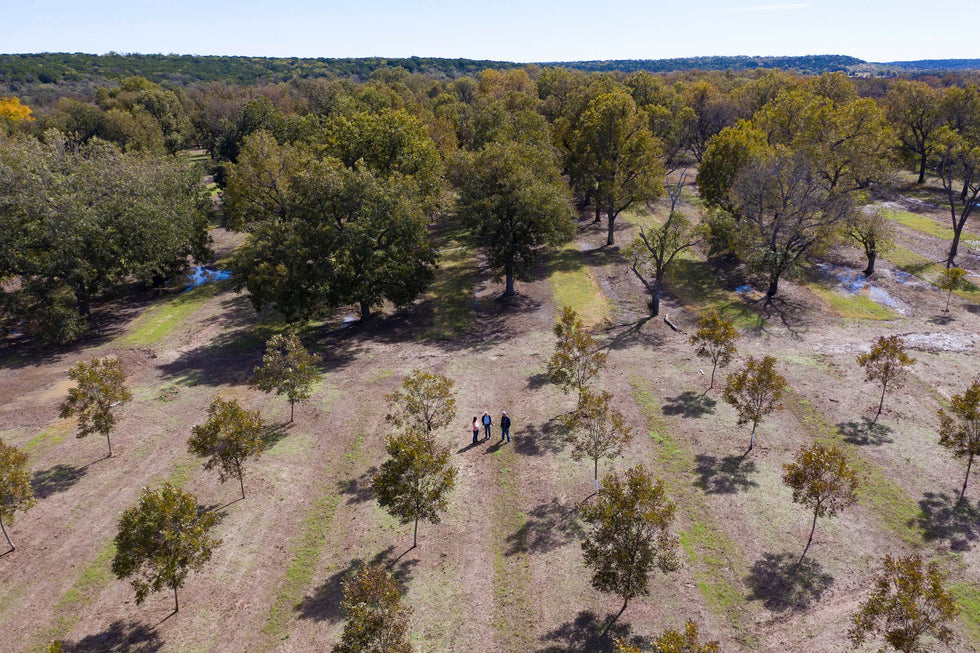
159 321
968 598
925 224
896 509
715 558
921 267
852 306
573 284
452 294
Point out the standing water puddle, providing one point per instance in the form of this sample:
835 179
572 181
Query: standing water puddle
852 282
201 275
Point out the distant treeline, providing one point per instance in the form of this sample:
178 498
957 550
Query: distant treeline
813 64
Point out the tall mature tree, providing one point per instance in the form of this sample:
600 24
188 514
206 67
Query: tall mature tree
101 387
415 482
15 486
650 257
577 359
958 164
597 430
513 201
425 402
887 363
909 602
959 427
628 534
288 368
821 479
377 621
913 107
715 340
322 235
949 280
674 641
755 391
713 111
871 229
230 436
161 539
621 158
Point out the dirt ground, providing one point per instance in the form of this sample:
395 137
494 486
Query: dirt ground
503 571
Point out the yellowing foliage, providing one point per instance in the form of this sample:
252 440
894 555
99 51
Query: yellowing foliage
11 109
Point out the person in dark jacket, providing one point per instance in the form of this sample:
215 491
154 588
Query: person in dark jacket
504 426
487 424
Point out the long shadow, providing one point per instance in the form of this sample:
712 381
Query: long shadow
973 308
324 603
728 475
945 519
941 320
582 635
537 381
549 437
358 490
494 447
273 433
45 482
782 584
690 404
119 637
548 526
634 335
865 432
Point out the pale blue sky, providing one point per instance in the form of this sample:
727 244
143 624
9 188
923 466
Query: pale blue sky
512 30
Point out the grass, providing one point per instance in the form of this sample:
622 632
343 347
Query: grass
921 267
452 294
696 285
926 225
96 575
968 598
715 558
896 510
573 284
159 321
852 306
49 438
306 552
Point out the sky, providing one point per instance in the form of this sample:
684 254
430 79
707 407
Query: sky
505 30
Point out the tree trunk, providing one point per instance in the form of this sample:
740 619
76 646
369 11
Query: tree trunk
955 245
611 219
949 294
365 310
969 464
509 282
810 539
872 256
714 366
922 166
773 287
752 436
655 291
81 298
598 213
9 543
881 403
596 461
241 479
618 614
176 602
292 407
415 535
108 442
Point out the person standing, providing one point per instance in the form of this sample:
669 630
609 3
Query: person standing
504 426
487 424
476 430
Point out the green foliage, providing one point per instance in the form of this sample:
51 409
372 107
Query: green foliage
322 235
288 368
871 229
161 539
951 279
959 427
425 402
673 641
415 482
230 436
887 363
958 165
101 387
628 534
513 201
822 480
913 108
15 486
77 220
577 359
377 622
725 156
755 391
909 602
714 339
651 257
596 429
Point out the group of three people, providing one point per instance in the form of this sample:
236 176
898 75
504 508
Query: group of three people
487 422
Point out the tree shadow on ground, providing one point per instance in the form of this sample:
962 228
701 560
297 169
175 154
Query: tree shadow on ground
358 490
791 314
690 404
633 335
537 381
865 432
119 637
728 475
782 584
973 308
941 320
548 526
45 482
324 603
550 437
582 635
944 518
273 433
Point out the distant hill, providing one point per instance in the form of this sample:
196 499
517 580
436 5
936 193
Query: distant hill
59 71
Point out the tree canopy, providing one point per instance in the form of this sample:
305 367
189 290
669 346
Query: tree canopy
288 368
101 387
16 494
230 436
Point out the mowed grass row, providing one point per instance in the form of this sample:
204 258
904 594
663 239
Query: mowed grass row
926 225
926 270
159 321
573 284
